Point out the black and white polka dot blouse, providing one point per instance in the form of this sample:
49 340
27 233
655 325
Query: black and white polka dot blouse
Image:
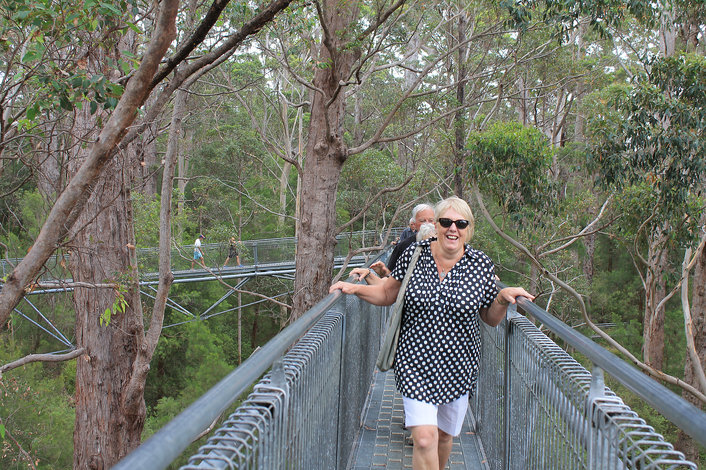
439 346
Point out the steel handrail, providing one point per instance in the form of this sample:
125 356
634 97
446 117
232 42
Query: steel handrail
676 409
163 447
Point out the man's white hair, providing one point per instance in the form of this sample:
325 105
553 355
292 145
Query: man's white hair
418 208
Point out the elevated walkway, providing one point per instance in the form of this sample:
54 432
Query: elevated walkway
323 406
272 257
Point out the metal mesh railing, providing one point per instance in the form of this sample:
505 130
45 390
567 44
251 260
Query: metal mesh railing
560 415
547 412
253 252
306 411
304 414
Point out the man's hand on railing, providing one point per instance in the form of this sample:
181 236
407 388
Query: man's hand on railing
380 268
367 275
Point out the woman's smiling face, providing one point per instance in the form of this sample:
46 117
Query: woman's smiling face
451 239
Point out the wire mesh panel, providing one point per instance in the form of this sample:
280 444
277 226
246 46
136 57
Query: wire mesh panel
487 403
304 414
560 416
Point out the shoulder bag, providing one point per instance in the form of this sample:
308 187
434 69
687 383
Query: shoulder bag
389 345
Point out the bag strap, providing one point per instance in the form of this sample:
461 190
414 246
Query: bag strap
408 274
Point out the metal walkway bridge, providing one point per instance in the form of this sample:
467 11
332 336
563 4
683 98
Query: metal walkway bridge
322 405
272 257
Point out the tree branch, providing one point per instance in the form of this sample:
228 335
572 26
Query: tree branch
72 200
24 453
641 365
42 358
360 213
214 12
571 239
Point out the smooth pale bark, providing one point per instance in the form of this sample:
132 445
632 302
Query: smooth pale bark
589 244
667 29
693 371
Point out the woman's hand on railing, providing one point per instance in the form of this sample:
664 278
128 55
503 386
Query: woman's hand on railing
380 268
509 295
367 275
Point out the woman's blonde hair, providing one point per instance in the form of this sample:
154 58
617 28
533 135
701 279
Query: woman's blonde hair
460 206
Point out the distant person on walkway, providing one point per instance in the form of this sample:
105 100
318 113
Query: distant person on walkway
450 290
198 252
422 213
233 253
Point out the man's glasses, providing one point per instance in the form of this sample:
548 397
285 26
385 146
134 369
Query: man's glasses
460 223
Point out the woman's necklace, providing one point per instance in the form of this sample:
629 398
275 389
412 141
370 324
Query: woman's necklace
443 270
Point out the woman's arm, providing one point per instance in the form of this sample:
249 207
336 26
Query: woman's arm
382 293
498 309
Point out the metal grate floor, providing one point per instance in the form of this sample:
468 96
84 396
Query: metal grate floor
381 443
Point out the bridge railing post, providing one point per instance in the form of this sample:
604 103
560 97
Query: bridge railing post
507 386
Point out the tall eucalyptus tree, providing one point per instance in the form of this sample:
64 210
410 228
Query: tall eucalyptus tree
86 78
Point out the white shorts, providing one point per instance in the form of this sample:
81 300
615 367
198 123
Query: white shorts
448 417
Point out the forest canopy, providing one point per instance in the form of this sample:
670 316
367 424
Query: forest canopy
575 129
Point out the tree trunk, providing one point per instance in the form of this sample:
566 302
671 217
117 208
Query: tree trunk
105 430
182 180
110 410
655 291
589 242
51 164
146 151
460 117
667 30
698 316
326 152
316 227
253 331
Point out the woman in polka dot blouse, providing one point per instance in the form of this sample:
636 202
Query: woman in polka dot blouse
436 363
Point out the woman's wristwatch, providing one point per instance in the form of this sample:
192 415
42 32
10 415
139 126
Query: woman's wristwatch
504 303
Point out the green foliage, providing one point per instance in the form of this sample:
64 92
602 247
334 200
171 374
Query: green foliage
119 306
563 15
24 221
36 29
655 133
146 218
188 361
37 411
362 177
511 162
